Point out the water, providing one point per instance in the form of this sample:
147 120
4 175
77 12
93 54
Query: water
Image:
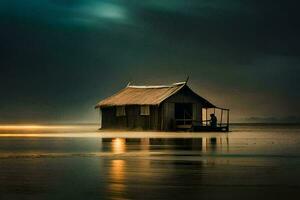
78 162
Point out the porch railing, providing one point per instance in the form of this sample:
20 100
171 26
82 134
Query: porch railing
221 123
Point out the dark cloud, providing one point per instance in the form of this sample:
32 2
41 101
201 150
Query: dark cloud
58 58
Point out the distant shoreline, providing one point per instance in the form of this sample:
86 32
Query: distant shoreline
265 123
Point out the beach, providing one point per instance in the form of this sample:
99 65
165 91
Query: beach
79 162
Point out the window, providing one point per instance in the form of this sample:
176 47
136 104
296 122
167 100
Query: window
145 110
120 111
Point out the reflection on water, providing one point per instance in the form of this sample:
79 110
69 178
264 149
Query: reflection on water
156 170
249 163
117 185
205 144
118 145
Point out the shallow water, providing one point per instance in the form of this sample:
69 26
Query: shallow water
78 162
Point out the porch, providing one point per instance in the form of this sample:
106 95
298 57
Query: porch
185 121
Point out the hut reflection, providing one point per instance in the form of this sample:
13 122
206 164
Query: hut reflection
182 158
204 144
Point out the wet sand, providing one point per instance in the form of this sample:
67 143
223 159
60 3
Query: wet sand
77 162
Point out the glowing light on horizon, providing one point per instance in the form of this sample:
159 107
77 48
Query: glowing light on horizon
33 127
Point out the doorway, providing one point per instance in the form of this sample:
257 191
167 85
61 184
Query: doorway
183 113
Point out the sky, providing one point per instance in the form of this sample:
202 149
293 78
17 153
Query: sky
58 58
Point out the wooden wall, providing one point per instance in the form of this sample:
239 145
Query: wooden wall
108 118
132 120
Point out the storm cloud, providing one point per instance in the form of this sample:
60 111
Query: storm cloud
59 57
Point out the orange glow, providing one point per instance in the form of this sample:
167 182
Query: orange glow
118 145
31 127
117 170
117 176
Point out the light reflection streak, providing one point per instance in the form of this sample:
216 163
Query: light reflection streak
118 145
117 170
117 178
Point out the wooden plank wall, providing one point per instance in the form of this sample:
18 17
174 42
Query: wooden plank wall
132 120
169 116
108 118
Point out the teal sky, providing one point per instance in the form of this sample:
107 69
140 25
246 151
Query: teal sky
60 57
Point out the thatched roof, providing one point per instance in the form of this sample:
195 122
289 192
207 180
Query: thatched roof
145 95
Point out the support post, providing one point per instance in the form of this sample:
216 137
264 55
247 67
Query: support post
206 116
228 120
221 118
100 118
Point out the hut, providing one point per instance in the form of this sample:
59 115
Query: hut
161 108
